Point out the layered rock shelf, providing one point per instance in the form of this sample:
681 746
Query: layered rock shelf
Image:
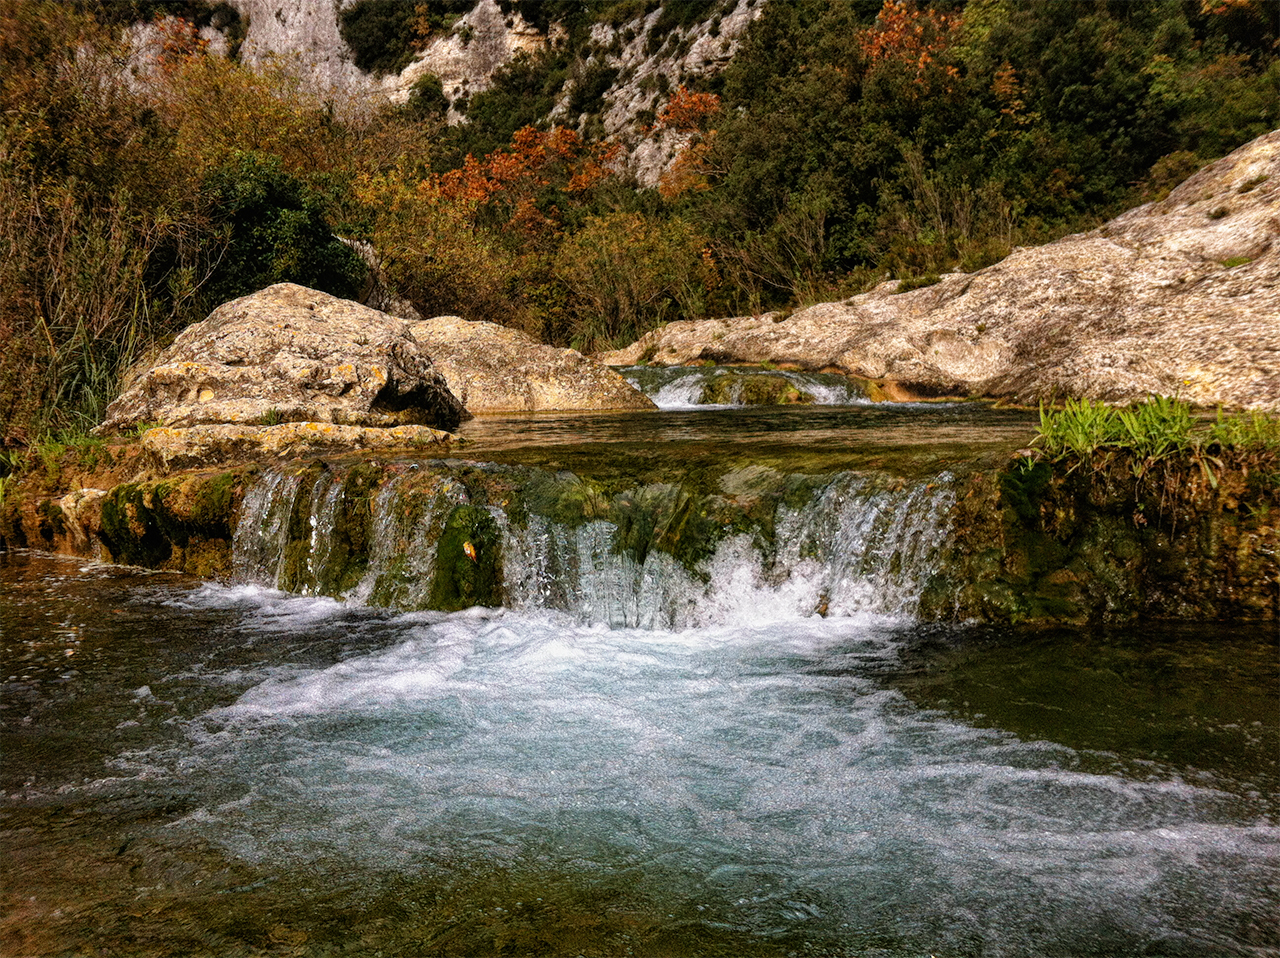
1177 297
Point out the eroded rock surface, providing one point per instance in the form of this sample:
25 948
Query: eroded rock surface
290 354
197 446
1180 296
495 369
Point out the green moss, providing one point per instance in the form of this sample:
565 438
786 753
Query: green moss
295 572
51 520
130 528
1022 488
184 524
753 389
468 566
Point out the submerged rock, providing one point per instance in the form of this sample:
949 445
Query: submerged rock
290 354
495 369
1177 297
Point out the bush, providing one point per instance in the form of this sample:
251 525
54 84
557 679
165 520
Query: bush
276 231
427 99
628 273
380 34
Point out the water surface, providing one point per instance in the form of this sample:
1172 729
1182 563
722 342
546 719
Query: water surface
205 769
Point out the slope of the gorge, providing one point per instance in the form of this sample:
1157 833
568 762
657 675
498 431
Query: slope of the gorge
1177 297
625 71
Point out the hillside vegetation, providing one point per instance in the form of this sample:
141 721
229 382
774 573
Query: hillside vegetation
849 139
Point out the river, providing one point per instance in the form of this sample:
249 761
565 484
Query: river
781 760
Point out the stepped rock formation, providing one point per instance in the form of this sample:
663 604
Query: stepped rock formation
494 369
290 354
1177 297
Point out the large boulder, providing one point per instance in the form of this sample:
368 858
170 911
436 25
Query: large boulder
496 369
1180 296
290 354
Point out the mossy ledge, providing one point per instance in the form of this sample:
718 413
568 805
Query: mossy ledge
183 523
1089 541
1033 541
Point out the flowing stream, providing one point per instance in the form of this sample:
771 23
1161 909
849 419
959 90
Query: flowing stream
743 745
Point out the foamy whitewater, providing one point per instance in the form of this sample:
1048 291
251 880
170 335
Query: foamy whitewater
646 751
761 777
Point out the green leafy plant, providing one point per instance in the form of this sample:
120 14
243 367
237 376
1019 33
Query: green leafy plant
1078 430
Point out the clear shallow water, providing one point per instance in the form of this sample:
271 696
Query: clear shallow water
651 447
203 769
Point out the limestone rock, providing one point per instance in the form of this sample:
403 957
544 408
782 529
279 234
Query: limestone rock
290 354
306 34
198 446
495 369
1178 297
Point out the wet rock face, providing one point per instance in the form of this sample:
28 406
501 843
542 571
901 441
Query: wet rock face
494 369
290 354
1047 544
1178 297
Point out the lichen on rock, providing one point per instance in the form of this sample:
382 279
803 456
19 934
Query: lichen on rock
496 369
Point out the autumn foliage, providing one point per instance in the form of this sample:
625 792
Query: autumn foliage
844 142
910 37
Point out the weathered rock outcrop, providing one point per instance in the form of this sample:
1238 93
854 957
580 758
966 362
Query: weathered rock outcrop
290 354
488 37
1180 296
168 450
494 369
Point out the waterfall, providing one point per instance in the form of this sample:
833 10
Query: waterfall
761 547
690 387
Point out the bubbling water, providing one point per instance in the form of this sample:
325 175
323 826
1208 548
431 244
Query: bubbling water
761 777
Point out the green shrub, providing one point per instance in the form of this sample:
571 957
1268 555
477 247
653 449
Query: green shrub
380 34
427 99
589 87
277 232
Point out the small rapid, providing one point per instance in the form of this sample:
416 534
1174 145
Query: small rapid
624 686
762 782
694 387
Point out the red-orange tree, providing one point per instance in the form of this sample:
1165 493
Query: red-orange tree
480 240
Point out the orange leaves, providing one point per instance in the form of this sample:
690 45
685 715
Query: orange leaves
910 37
689 171
536 159
687 112
1008 93
179 41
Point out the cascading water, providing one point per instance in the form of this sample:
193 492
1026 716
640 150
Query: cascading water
691 387
845 543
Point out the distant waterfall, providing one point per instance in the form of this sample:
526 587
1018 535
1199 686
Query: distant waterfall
689 387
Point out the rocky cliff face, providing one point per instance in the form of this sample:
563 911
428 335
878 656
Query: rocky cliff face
306 30
1178 297
646 60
